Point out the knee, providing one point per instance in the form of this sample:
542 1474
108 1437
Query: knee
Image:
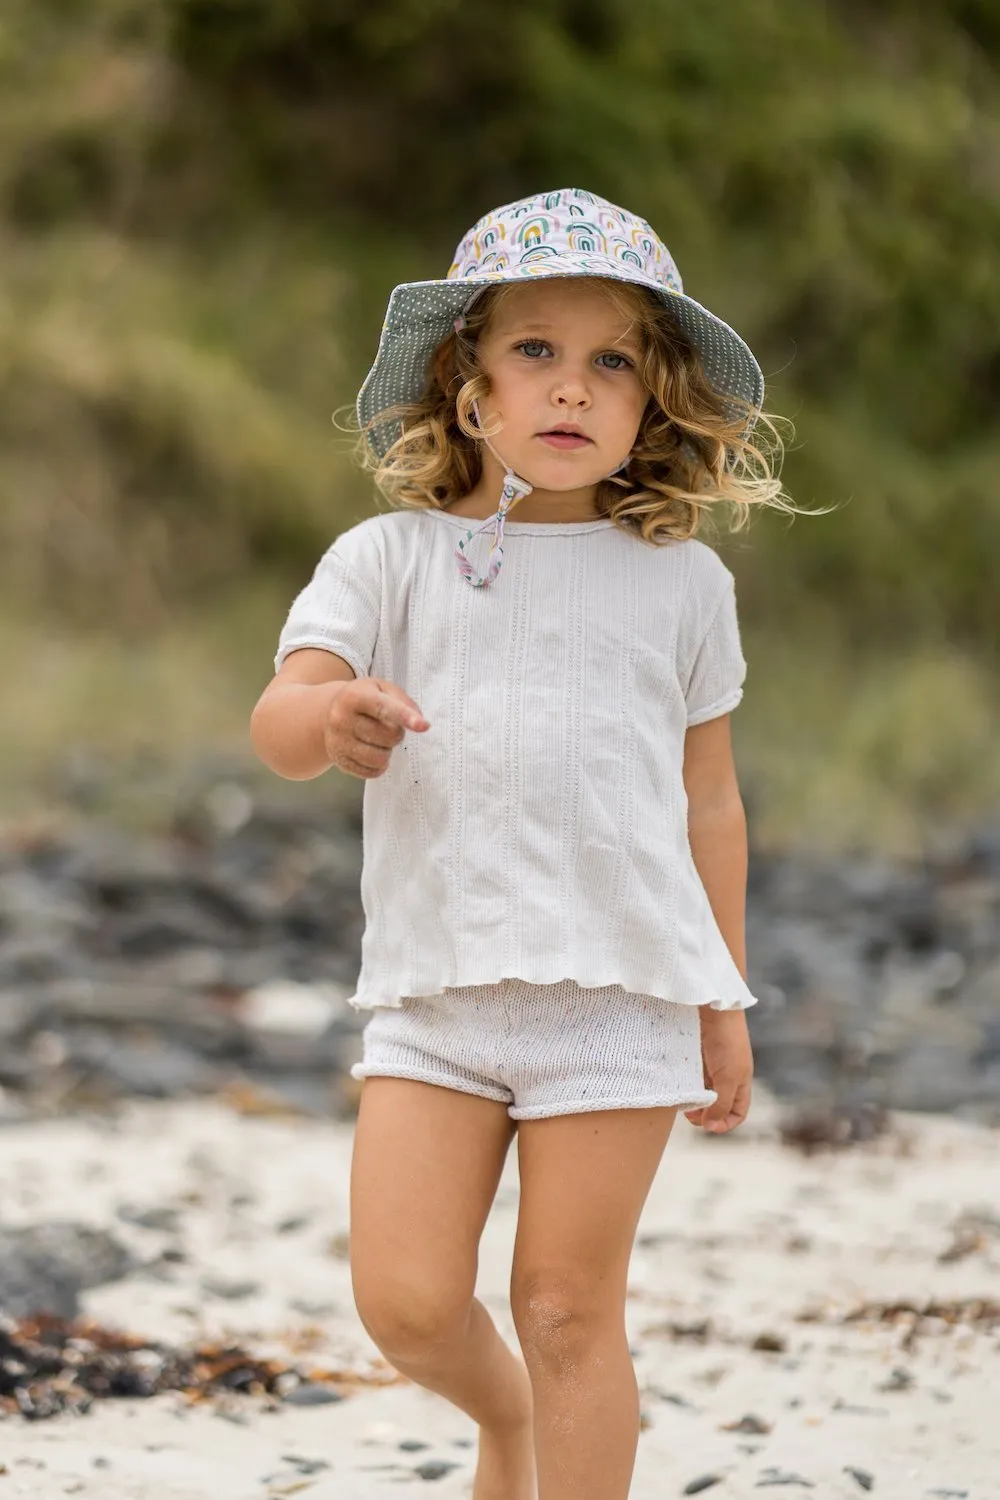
558 1320
409 1320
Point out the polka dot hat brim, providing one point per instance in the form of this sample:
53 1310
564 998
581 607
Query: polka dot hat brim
564 233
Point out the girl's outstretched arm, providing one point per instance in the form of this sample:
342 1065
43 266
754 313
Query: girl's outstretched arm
314 714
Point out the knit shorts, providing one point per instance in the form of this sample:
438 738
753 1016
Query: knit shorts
543 1049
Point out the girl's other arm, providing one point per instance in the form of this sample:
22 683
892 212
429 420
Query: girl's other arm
717 828
315 714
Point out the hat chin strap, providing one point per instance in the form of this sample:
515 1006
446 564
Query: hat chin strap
514 488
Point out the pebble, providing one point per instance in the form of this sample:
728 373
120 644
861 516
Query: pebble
305 1465
748 1423
231 1291
309 1393
151 1216
435 1468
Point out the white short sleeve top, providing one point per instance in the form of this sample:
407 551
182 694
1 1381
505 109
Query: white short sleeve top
538 829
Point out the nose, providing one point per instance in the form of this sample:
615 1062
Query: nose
571 392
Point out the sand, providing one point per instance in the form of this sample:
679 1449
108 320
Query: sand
739 1230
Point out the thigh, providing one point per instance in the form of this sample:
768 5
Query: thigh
584 1181
424 1173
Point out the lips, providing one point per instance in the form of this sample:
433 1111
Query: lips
565 437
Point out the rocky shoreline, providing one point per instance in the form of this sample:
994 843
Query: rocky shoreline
216 958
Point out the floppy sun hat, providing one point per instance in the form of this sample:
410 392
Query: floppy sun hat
564 233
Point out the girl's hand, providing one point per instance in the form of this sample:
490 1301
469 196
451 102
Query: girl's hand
364 720
728 1060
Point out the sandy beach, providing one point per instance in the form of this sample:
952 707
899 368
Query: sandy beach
750 1257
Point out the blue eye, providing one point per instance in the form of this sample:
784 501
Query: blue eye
527 346
625 364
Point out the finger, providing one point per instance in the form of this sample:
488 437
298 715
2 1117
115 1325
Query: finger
734 1115
393 690
400 707
355 768
714 1115
387 710
717 1112
696 1116
369 757
396 716
369 731
741 1105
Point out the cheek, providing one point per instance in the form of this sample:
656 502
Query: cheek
508 393
629 403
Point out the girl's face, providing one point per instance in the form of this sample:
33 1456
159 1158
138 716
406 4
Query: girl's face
562 364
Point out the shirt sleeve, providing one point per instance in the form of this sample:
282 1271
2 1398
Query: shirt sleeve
339 608
718 671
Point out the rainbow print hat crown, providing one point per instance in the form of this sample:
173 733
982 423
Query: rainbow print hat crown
564 233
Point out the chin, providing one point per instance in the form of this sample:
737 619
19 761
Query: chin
561 475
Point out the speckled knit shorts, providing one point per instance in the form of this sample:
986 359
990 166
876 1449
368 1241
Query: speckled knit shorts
543 1049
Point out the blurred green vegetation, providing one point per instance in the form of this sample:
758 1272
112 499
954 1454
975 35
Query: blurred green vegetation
204 204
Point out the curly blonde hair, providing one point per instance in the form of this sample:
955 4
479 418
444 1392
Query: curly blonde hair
694 449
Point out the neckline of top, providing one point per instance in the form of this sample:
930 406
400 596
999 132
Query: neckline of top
528 528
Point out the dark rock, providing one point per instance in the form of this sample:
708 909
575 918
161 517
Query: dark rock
748 1423
155 1216
435 1468
294 1223
305 1465
154 1068
770 1343
232 1291
899 1380
703 1482
310 1393
45 1267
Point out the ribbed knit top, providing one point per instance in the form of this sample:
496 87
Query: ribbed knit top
538 829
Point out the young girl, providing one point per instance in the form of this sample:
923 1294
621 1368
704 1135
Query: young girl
554 840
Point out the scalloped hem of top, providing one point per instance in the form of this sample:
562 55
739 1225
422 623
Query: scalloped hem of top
394 1001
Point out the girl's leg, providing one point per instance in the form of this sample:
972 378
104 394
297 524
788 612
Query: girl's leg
584 1180
425 1169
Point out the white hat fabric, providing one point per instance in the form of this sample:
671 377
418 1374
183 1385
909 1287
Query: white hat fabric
568 232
